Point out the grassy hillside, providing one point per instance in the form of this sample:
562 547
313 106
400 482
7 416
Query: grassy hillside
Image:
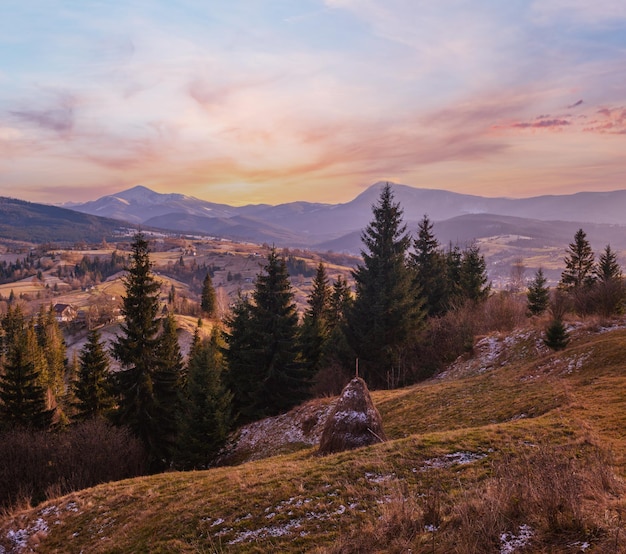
514 449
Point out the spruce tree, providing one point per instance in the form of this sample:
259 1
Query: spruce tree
337 357
538 295
266 375
137 350
92 388
386 313
474 282
454 259
579 264
315 324
557 337
208 301
167 379
52 344
23 399
244 375
609 286
578 277
428 263
206 408
608 268
275 326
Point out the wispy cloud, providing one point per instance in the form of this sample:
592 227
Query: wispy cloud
58 117
254 102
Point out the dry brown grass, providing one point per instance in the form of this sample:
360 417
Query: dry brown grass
524 437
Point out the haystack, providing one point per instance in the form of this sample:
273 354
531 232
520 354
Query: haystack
354 422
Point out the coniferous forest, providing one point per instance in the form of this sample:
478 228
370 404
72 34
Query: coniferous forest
411 307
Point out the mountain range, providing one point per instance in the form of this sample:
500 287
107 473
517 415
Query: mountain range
458 217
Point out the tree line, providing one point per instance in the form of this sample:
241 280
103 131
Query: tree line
261 361
586 287
393 326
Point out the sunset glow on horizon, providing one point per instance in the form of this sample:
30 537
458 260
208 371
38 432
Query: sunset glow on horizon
259 101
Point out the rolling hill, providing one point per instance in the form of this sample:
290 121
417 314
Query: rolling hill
30 222
513 449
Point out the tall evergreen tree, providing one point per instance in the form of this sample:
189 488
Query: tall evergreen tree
269 371
538 295
244 376
386 312
23 399
608 268
167 379
137 350
52 344
579 264
206 412
429 265
315 324
208 301
454 263
340 302
578 277
13 324
94 397
609 287
473 279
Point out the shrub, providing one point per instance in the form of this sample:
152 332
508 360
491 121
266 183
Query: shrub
37 464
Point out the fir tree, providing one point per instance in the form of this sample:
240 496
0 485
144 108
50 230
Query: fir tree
578 277
429 265
340 302
206 412
579 264
267 369
22 397
386 312
473 279
137 350
244 375
454 259
538 295
315 324
557 337
609 287
52 344
208 302
167 379
608 269
94 397
13 324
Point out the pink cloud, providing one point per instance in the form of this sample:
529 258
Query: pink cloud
610 121
542 124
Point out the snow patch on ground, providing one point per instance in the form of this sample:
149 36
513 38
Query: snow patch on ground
28 537
509 542
20 538
496 350
301 426
449 460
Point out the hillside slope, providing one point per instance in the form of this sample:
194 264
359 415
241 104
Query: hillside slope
514 447
20 220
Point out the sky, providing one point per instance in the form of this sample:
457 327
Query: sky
272 101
